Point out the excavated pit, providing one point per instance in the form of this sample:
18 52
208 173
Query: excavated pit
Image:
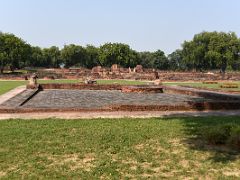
80 97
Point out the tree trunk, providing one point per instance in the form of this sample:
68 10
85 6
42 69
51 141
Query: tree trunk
1 70
12 68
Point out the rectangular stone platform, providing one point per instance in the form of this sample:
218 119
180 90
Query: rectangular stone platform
94 99
102 98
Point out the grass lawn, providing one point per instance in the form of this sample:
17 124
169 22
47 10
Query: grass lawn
6 86
123 82
200 84
114 149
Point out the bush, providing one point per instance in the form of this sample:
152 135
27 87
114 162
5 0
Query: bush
217 134
234 139
227 134
210 82
229 85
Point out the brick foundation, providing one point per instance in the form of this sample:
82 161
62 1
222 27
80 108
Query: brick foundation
214 100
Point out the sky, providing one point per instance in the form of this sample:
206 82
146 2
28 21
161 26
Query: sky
146 25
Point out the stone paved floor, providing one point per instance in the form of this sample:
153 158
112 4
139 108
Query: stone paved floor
12 93
19 99
96 99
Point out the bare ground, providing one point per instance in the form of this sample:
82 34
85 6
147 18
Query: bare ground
117 114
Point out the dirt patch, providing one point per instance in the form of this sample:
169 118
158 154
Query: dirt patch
74 161
184 163
232 172
2 174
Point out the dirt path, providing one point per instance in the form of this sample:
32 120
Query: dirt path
118 114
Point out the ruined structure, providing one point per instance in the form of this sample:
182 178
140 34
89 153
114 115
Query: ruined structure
118 72
33 82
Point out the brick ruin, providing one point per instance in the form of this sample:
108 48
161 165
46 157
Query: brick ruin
99 72
136 73
84 98
140 73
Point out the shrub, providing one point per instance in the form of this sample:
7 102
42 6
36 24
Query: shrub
227 134
234 139
210 82
229 85
217 134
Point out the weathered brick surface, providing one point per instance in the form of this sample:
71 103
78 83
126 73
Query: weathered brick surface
202 93
20 99
80 97
101 98
142 89
81 86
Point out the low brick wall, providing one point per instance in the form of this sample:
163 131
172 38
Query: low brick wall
142 89
190 106
215 101
123 88
81 86
201 93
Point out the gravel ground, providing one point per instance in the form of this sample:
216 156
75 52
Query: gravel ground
118 114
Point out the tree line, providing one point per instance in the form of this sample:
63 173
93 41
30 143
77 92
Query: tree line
206 51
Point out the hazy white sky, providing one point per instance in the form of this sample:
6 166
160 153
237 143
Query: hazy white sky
146 25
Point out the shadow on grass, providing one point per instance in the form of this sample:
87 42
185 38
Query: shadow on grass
193 127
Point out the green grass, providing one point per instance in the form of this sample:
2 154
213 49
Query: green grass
123 82
6 86
114 149
201 85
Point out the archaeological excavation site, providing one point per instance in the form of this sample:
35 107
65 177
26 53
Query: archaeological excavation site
79 97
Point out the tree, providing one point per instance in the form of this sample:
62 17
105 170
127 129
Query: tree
73 55
14 52
52 56
92 58
160 61
175 60
146 59
210 50
37 58
3 55
117 53
156 60
224 49
3 61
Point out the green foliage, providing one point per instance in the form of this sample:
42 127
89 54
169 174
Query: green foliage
227 134
207 51
117 53
52 56
234 139
155 148
175 60
218 134
6 86
211 50
92 56
14 52
156 60
37 58
205 86
160 61
73 55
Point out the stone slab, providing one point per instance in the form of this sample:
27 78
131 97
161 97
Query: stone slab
95 99
19 99
12 93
